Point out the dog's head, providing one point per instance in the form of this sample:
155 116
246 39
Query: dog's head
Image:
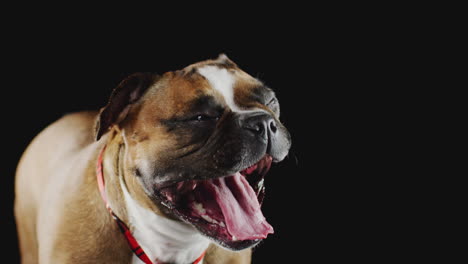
200 141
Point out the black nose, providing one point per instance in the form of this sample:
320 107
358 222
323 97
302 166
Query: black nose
260 124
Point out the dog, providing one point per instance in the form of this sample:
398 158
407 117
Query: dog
171 170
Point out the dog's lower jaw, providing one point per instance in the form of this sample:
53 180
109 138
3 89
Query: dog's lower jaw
162 238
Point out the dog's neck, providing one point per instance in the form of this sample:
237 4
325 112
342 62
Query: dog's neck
162 239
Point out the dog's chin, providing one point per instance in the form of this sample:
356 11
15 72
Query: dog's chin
225 209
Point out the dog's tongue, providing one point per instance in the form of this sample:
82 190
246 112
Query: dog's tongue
239 205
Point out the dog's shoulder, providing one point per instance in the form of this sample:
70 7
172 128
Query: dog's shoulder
58 141
79 125
72 131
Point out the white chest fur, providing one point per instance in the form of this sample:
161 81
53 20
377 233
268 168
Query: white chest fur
162 238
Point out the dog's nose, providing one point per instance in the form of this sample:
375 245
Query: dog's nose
266 131
260 124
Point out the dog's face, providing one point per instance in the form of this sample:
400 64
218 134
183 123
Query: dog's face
200 141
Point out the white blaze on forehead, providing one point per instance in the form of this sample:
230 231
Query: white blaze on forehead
222 81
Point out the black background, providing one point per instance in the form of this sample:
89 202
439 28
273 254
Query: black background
331 77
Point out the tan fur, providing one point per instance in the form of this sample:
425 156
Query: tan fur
60 215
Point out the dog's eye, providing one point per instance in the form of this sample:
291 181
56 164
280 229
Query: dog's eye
201 118
272 101
273 105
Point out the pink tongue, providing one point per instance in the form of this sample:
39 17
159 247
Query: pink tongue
238 202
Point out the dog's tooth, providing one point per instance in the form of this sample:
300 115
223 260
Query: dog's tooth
166 204
198 207
208 218
194 185
213 221
260 185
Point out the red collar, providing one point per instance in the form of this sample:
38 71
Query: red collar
134 246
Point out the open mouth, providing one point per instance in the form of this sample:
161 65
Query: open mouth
226 209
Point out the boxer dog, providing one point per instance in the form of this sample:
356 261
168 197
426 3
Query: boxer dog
171 170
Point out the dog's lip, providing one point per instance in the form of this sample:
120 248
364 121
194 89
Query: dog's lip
170 183
172 193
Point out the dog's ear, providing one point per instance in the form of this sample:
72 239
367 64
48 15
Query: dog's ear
126 93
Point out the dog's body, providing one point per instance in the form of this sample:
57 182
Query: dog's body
61 217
